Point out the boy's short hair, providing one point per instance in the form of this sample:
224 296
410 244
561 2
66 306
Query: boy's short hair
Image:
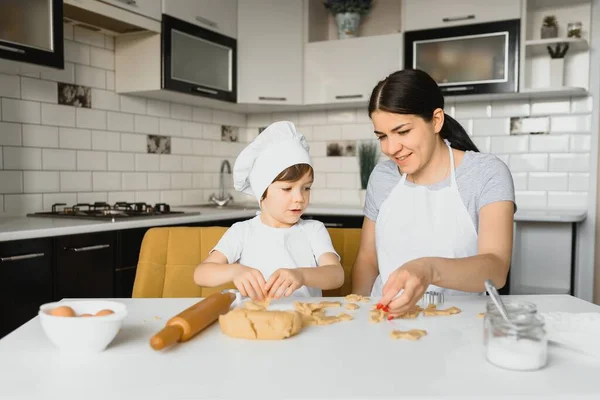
292 174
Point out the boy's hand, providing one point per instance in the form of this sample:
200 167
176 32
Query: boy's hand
284 282
250 282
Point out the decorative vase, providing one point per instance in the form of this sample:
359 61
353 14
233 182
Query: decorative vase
362 193
347 24
557 67
549 32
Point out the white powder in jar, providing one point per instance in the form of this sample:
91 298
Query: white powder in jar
522 354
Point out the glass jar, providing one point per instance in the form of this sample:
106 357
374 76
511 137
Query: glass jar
513 308
574 29
521 345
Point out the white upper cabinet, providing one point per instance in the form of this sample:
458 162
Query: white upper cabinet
339 71
270 52
427 14
216 15
148 8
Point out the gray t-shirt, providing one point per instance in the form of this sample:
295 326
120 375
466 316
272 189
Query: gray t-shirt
482 178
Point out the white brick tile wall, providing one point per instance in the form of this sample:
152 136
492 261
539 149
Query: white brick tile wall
133 142
39 136
134 105
39 90
102 140
40 181
90 119
77 53
21 111
548 181
119 121
100 154
548 143
134 180
579 182
70 138
58 115
121 162
147 162
90 76
59 160
75 181
91 161
10 86
12 181
144 124
105 100
108 181
10 134
22 158
21 204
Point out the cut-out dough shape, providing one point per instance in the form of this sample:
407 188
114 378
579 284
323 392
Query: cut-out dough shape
356 298
351 306
432 310
413 334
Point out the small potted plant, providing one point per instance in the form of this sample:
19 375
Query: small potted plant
348 14
550 27
368 155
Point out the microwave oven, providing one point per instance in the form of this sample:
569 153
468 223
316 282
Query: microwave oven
468 59
198 61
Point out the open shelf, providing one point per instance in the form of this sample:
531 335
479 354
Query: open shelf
538 46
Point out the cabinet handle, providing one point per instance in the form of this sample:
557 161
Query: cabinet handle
464 18
88 248
333 224
125 268
349 96
22 257
8 48
206 21
129 2
272 98
209 91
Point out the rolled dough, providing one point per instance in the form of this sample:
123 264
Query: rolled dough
260 324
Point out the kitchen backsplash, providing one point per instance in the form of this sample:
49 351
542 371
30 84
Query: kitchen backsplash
66 136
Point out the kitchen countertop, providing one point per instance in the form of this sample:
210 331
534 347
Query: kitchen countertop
22 227
354 359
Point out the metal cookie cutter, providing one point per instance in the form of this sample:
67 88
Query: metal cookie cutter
432 298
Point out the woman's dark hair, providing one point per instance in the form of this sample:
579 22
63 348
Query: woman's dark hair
412 91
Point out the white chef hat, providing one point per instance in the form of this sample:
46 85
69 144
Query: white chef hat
276 148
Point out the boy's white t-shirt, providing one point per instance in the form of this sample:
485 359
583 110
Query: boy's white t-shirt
267 249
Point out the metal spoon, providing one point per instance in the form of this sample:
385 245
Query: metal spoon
495 296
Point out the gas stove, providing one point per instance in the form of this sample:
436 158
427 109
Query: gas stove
103 211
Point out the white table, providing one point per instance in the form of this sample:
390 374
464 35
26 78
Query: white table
349 360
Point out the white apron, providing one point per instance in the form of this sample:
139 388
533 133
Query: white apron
415 222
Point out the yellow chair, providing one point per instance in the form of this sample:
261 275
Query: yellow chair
169 255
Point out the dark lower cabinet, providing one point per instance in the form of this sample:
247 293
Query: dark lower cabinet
25 280
129 243
337 221
84 265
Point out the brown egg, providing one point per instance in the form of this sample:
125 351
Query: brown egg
63 311
104 312
86 315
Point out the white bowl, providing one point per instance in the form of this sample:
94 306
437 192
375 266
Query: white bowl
83 334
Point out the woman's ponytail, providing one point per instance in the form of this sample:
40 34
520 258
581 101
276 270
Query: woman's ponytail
457 136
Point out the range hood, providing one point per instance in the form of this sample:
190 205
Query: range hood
107 18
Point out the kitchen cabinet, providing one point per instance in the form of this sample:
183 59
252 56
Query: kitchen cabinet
270 52
342 71
337 221
147 8
129 243
216 15
25 281
428 14
84 265
32 32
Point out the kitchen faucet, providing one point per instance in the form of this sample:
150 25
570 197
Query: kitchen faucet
222 200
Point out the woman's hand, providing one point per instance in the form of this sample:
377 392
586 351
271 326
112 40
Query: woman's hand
414 277
284 282
250 282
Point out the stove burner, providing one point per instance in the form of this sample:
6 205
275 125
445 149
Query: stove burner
103 210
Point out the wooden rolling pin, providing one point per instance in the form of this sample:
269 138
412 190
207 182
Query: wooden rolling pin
192 320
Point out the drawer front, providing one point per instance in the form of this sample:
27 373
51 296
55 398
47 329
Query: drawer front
147 8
